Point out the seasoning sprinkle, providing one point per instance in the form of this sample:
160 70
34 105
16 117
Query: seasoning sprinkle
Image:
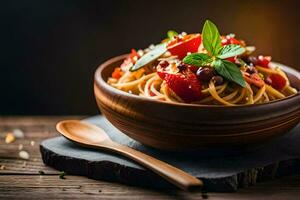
32 143
24 155
18 133
62 175
20 147
9 138
41 172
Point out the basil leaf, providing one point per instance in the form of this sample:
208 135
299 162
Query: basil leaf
231 50
211 38
149 57
229 71
171 34
197 59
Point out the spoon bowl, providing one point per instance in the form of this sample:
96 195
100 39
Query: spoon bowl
91 136
82 132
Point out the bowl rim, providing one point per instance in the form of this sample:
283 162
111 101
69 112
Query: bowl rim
100 82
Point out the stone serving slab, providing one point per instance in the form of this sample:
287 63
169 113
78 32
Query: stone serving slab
220 171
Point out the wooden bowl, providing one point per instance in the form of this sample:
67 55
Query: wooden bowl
174 126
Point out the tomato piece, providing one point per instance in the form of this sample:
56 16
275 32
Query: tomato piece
133 54
193 68
181 46
263 61
131 58
277 81
254 79
185 85
117 73
231 59
225 40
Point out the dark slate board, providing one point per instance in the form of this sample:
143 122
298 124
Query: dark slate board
220 173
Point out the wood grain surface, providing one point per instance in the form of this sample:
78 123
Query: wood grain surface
19 181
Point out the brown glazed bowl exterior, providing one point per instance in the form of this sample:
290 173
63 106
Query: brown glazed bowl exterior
174 126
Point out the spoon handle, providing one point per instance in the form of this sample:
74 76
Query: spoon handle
172 174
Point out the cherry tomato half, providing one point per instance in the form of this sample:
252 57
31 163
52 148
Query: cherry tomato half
277 81
181 46
117 73
131 58
263 61
225 40
133 54
231 59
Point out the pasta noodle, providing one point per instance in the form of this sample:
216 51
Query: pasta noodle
169 78
152 86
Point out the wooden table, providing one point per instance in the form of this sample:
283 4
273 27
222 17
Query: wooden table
21 179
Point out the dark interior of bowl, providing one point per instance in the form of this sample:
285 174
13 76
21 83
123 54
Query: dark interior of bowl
294 80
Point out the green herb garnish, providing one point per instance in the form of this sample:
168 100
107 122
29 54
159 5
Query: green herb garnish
171 34
230 71
153 54
149 57
41 172
197 59
62 175
230 51
216 53
211 38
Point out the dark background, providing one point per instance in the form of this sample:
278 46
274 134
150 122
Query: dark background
50 49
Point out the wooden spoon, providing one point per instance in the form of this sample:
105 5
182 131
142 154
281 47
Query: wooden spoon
91 136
